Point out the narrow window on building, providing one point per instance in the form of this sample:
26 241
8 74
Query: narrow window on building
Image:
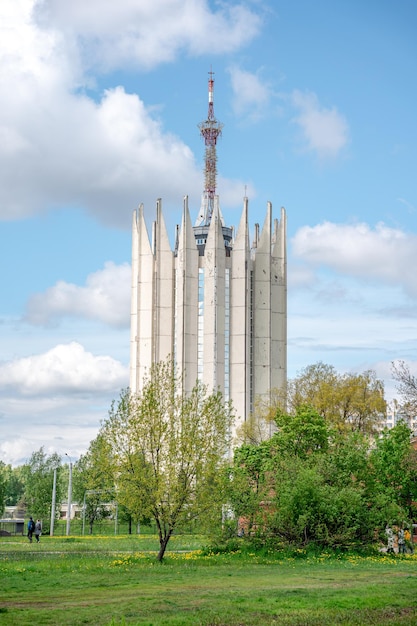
200 329
251 346
227 335
174 347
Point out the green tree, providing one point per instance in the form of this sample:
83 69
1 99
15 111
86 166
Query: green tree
3 483
311 483
316 386
12 486
394 469
348 401
168 451
362 402
38 475
302 433
256 477
308 507
93 482
248 484
15 485
347 459
407 387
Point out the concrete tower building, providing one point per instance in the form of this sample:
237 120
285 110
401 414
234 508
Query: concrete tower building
214 303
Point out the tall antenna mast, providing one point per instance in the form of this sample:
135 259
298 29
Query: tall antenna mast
210 130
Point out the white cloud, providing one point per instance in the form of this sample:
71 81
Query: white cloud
232 192
350 339
341 315
62 371
324 131
384 254
300 276
105 156
250 95
105 297
54 438
62 425
145 34
59 147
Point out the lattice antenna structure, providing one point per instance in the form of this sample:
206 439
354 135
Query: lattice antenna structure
210 130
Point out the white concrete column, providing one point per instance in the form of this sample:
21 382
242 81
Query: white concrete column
214 303
262 311
144 278
279 307
239 320
164 289
186 270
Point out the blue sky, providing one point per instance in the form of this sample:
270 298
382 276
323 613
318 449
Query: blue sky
100 103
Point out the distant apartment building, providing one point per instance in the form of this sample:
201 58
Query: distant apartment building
394 417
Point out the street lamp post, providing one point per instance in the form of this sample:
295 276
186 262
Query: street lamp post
51 530
69 496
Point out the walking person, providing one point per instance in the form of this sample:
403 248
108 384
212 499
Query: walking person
38 530
31 528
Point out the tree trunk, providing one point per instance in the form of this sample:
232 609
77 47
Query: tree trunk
163 542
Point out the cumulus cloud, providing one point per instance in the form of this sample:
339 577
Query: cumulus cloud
105 297
64 370
251 95
149 33
382 253
323 131
58 146
18 448
104 156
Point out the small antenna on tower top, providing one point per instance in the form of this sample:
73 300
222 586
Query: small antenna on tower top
210 130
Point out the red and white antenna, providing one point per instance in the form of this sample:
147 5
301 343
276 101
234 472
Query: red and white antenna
210 130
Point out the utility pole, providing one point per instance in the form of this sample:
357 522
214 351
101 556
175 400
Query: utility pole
51 529
69 496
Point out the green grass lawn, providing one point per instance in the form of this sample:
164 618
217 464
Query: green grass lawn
117 581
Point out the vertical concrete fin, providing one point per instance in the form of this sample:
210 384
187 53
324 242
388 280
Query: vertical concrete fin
279 306
134 303
279 243
264 242
145 301
186 301
142 290
144 246
217 203
163 239
279 248
241 241
214 302
164 289
240 297
215 241
262 317
187 240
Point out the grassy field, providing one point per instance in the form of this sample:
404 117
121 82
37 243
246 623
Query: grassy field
116 581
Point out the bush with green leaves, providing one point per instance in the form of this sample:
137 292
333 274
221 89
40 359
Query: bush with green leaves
312 484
